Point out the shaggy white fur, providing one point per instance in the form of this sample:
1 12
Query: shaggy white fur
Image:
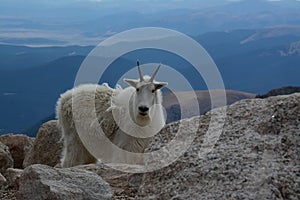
79 109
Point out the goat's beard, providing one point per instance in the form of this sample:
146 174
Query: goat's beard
142 120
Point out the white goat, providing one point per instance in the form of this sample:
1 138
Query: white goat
142 101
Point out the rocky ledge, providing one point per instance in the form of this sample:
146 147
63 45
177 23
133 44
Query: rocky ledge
257 156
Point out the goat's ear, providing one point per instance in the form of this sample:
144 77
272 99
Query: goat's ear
160 85
131 82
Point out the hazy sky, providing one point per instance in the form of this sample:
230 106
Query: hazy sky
73 20
39 7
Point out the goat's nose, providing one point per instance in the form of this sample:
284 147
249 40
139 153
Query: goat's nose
143 108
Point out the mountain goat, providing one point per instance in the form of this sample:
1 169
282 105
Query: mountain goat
141 101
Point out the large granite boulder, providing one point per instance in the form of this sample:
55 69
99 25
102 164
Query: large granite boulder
257 156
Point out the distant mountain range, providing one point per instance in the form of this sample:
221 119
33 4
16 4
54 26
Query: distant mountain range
86 22
254 61
22 57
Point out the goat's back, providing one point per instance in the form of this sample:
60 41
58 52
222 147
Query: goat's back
82 101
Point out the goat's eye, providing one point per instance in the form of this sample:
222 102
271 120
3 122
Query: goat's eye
153 91
137 89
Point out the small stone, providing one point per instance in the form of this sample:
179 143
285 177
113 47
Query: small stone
13 176
6 160
3 180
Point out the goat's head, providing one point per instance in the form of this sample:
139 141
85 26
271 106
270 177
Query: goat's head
145 96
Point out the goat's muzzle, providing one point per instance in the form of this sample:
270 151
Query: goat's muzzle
143 110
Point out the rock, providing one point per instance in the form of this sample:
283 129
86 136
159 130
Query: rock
122 183
5 192
3 180
19 145
257 156
6 160
47 147
13 176
45 182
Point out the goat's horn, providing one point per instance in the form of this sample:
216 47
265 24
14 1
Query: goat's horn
154 74
140 71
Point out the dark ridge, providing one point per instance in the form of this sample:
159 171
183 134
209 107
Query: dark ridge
280 91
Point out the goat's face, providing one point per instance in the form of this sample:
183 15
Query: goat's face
144 97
